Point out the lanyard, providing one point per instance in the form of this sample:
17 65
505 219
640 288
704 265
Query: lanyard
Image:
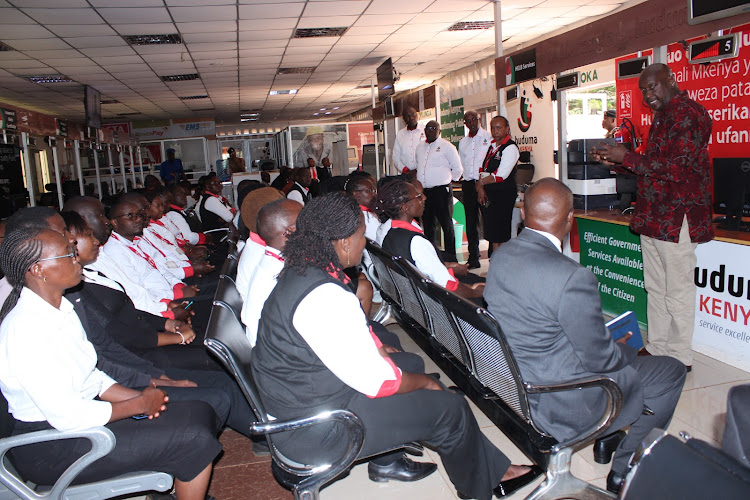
135 250
275 256
162 238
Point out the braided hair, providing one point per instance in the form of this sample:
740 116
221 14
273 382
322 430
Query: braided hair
19 250
322 221
356 180
391 198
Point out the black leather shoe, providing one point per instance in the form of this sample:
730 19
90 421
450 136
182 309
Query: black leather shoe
474 264
605 446
510 486
614 482
402 469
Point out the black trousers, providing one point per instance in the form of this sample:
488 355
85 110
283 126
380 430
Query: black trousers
439 206
471 208
232 407
441 420
181 442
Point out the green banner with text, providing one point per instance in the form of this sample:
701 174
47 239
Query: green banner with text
613 253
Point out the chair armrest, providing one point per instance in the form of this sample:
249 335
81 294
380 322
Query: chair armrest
351 422
225 305
102 442
614 404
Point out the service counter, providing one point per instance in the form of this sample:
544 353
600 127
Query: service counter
722 276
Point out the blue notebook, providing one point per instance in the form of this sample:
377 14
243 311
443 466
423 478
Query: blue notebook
624 323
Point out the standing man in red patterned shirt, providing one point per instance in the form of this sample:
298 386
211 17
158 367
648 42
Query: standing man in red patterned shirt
673 207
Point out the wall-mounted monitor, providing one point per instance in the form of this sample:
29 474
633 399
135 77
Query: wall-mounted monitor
701 11
92 102
385 80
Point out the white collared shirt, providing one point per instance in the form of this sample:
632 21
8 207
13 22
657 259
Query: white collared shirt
555 241
405 147
215 204
48 366
472 151
149 290
254 249
296 195
261 285
156 242
438 163
176 223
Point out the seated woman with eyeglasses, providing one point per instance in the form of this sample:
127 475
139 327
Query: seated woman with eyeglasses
402 202
49 377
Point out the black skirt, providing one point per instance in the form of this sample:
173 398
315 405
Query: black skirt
498 214
181 442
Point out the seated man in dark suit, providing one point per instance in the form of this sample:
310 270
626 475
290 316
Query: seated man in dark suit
549 308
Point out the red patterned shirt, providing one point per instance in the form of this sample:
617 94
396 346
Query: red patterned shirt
674 174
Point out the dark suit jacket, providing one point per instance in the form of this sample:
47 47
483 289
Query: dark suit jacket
550 311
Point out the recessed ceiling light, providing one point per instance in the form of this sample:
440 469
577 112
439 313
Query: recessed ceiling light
328 112
316 114
283 92
319 32
152 39
471 25
180 78
249 115
295 71
47 78
337 107
191 97
322 109
248 119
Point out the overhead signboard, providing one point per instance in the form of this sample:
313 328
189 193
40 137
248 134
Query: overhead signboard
568 81
714 49
632 68
520 67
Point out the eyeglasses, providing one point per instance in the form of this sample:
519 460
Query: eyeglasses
431 127
419 197
130 216
471 120
72 254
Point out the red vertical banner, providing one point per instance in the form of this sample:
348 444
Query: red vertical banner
360 134
630 106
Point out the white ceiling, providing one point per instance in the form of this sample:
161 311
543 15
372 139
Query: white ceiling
237 47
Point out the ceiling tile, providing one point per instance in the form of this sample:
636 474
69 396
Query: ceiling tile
73 62
64 16
108 51
207 27
282 34
211 47
145 29
589 10
54 55
336 8
222 54
107 61
267 24
130 3
381 20
394 7
14 16
204 13
324 22
37 44
98 42
11 31
228 36
135 15
271 10
76 30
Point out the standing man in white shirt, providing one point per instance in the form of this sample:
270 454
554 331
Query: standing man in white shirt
407 140
437 165
472 149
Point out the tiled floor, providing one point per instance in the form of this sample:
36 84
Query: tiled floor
239 475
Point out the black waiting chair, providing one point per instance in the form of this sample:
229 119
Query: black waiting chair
228 297
383 281
226 339
666 467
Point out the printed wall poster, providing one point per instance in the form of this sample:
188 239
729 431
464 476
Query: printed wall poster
315 141
613 253
452 121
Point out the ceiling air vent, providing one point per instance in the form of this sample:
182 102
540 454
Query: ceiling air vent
205 109
295 71
152 39
180 78
47 78
283 92
318 32
191 97
128 114
5 48
472 25
110 101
